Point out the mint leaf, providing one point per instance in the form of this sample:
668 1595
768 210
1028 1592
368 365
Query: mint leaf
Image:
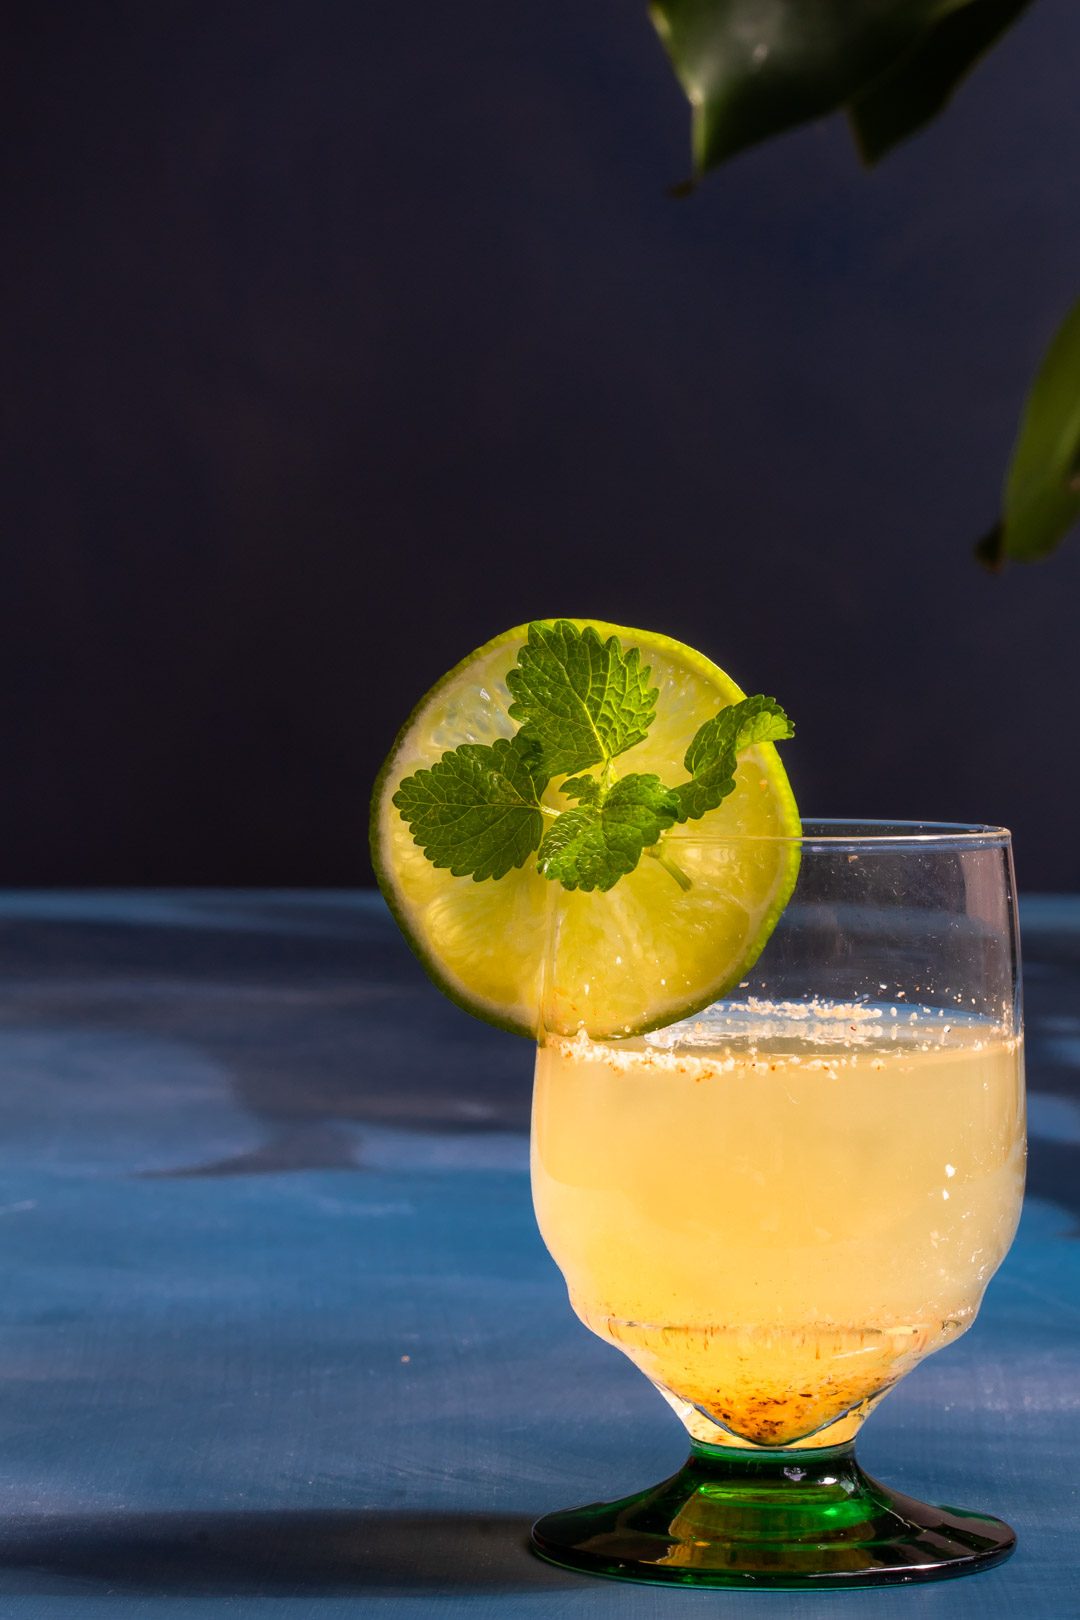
580 699
477 809
713 754
597 843
751 720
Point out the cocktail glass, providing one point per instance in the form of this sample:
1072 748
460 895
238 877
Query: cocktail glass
779 1206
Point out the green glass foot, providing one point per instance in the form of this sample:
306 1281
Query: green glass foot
781 1519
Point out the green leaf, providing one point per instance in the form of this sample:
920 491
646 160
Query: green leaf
581 700
753 68
713 753
1041 499
751 720
477 809
585 788
921 82
594 845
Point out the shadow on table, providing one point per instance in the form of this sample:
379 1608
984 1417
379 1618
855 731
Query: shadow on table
276 1553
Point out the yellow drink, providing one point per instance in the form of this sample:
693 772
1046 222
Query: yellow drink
778 1211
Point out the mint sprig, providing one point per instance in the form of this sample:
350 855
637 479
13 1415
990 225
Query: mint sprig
594 845
580 701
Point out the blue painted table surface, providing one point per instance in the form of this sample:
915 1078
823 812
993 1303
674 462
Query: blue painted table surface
279 1336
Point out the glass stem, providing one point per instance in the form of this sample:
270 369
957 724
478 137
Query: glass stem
802 1466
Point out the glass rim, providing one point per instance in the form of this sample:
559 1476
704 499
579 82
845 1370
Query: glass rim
866 832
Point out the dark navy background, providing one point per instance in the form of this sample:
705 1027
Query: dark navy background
337 339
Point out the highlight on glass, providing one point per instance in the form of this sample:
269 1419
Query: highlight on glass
780 1205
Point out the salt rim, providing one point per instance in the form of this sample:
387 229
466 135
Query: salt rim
823 1022
820 1023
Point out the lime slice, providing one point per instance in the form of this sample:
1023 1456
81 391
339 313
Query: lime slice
523 952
